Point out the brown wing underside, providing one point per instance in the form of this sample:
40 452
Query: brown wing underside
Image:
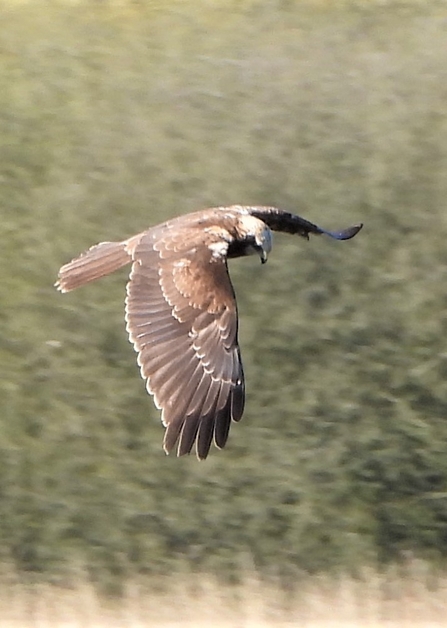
182 319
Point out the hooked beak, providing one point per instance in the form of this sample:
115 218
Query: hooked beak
264 244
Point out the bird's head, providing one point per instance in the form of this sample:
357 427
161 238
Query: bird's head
255 237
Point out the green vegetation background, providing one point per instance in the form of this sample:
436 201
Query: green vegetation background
116 117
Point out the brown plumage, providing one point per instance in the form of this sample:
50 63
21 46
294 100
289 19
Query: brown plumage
181 312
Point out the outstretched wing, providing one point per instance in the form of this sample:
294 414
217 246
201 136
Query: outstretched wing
279 220
181 317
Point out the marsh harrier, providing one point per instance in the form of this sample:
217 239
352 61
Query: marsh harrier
181 311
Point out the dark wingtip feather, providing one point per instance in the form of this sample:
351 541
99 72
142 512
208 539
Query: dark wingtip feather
188 435
222 426
238 401
345 234
205 436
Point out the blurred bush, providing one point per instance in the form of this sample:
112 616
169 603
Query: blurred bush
115 117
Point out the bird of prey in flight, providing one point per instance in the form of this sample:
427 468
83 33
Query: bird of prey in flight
181 313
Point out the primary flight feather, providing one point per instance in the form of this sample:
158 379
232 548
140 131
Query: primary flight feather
181 313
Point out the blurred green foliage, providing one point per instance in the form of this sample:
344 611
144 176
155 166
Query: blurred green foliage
113 118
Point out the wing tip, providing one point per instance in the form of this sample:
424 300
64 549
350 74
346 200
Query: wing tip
345 234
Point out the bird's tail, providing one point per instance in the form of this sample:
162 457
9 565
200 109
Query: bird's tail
100 260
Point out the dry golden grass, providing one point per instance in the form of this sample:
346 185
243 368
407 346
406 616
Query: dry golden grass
389 599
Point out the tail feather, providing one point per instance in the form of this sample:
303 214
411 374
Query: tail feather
100 260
